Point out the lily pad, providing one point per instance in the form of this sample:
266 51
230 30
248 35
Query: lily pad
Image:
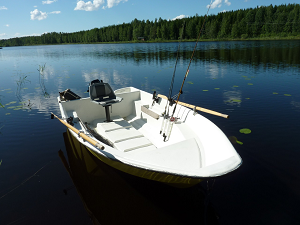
7 114
236 100
275 93
190 82
287 95
245 131
204 90
235 86
250 84
217 88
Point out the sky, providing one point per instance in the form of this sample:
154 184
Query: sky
20 18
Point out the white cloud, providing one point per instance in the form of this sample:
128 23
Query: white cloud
3 8
38 15
215 4
112 3
180 17
227 2
35 6
218 3
89 6
7 25
55 12
48 2
3 35
92 6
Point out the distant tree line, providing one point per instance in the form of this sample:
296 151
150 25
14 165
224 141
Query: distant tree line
260 22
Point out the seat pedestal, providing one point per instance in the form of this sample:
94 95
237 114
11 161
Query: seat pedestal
107 114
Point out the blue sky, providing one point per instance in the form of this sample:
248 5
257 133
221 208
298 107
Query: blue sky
34 17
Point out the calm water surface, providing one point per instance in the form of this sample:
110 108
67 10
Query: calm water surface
257 83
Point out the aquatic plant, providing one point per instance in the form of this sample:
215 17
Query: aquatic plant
234 140
20 86
41 80
2 105
239 142
245 131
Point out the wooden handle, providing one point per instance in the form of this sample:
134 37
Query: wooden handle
198 108
84 136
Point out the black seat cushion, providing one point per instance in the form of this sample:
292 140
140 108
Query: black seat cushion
103 94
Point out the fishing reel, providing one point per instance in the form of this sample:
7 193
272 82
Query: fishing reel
155 98
70 121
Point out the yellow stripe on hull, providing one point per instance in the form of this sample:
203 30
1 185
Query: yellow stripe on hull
173 180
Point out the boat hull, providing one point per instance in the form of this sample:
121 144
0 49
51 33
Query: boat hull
170 179
131 142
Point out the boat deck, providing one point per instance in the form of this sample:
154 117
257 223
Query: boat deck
122 134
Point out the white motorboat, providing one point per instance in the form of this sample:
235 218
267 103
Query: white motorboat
129 130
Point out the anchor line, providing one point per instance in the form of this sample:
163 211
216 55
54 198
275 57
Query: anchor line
172 120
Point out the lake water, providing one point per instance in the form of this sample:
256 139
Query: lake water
255 82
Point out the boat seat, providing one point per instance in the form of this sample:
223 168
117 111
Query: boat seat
123 135
102 94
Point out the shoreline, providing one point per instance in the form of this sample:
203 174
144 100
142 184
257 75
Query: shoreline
276 38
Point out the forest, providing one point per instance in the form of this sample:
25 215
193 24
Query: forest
281 21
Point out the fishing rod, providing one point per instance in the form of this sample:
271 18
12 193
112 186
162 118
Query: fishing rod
172 119
170 100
